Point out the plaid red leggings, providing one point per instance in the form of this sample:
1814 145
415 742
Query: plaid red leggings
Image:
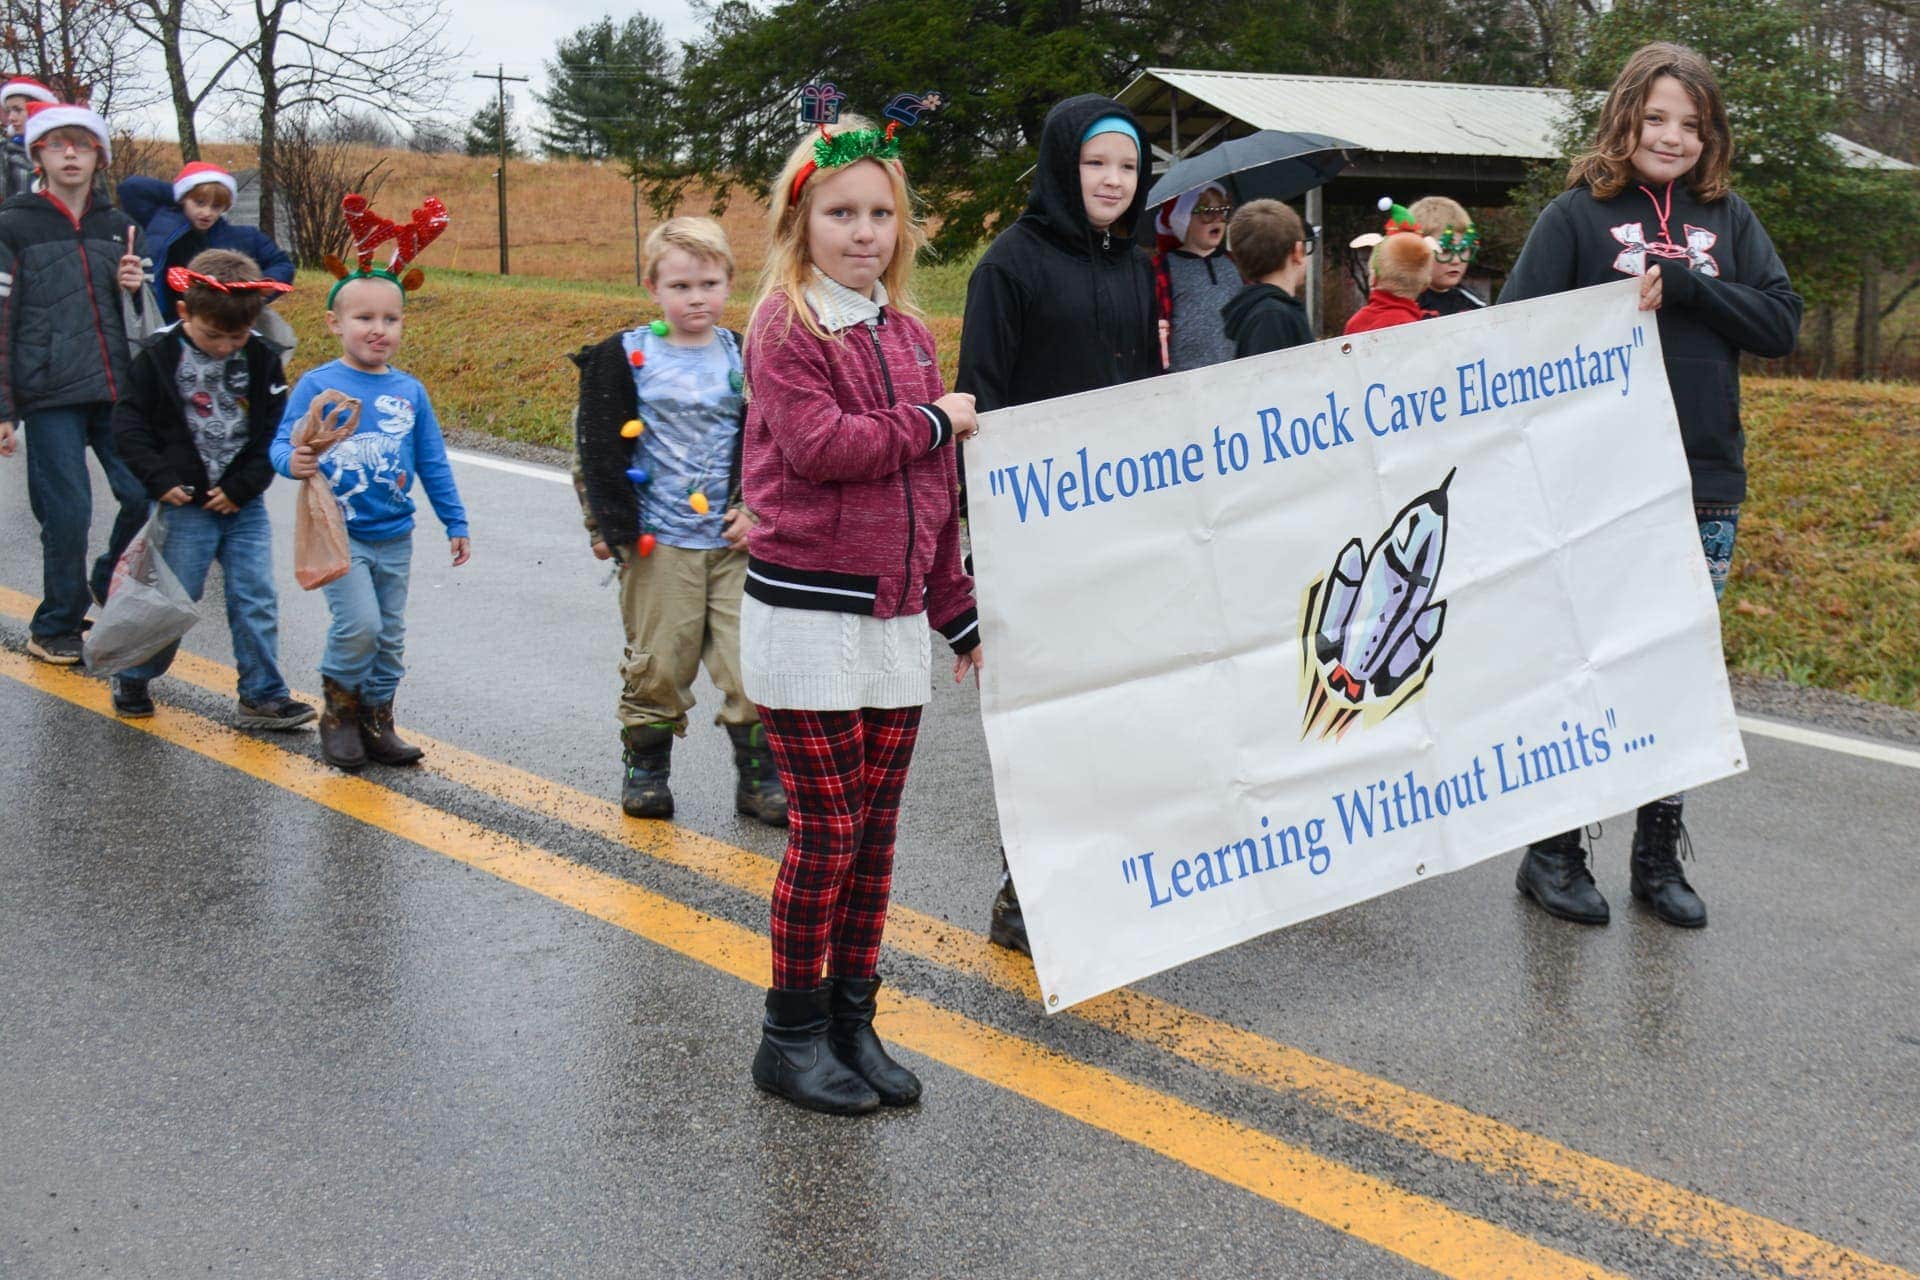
844 772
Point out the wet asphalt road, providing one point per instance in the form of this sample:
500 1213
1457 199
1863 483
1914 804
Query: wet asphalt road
244 1034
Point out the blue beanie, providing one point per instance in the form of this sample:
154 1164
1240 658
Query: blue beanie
1111 124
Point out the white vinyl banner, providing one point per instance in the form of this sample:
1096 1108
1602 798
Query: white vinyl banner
1270 638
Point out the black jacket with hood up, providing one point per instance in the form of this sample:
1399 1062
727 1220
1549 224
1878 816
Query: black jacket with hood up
1723 291
1055 307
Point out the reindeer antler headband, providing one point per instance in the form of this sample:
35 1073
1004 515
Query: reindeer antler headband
369 231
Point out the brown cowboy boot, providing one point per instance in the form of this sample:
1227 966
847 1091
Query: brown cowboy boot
340 744
383 745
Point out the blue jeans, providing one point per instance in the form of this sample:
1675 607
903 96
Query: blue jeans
243 544
61 495
368 633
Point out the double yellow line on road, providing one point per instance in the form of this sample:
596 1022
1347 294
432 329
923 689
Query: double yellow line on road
1601 1188
1419 1229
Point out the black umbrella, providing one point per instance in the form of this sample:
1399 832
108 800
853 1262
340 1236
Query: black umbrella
1272 164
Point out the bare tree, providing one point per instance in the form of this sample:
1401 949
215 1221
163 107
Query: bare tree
315 173
76 48
334 54
274 57
182 30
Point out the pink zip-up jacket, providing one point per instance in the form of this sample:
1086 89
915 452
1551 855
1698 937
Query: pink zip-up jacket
851 470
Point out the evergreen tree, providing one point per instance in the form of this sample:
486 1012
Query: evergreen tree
612 92
483 130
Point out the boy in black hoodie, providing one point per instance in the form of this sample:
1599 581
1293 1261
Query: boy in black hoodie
202 403
1651 199
1270 243
1062 301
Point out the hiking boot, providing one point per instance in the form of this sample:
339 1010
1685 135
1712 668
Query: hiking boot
340 744
647 753
1660 840
1554 874
130 700
272 713
1008 928
759 794
61 651
851 1036
795 1061
382 744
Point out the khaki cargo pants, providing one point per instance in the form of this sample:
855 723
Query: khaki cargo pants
681 608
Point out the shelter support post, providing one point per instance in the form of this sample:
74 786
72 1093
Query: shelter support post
1317 261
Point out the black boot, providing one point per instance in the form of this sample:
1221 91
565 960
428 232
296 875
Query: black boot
759 794
795 1061
853 1041
648 756
1659 837
1008 927
1554 874
381 743
340 744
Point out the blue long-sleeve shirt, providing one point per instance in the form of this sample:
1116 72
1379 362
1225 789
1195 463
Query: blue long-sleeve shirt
373 470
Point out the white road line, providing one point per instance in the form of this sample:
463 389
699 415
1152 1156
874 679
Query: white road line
1860 747
527 469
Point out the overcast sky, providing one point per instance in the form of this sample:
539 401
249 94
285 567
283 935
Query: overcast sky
518 35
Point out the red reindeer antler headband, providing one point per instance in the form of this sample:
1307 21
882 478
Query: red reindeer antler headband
179 279
369 231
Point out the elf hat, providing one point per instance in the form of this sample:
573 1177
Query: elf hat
27 87
200 174
44 117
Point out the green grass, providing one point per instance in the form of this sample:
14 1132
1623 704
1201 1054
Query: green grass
1826 577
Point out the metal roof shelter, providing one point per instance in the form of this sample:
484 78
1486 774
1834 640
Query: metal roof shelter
1469 141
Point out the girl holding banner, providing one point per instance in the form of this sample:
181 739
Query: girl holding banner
1651 198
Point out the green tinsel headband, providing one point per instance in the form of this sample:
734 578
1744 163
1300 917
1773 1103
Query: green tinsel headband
833 151
378 273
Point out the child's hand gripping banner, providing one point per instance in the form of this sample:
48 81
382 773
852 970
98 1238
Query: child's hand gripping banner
1277 636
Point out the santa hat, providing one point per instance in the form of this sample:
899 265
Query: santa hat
1176 216
27 87
200 174
44 117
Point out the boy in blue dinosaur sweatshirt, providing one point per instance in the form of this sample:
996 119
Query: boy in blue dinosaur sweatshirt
371 472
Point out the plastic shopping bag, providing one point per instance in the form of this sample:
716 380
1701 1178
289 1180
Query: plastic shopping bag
319 530
147 608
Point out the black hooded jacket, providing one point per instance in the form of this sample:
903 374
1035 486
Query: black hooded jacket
1055 307
1724 292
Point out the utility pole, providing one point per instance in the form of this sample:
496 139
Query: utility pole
500 78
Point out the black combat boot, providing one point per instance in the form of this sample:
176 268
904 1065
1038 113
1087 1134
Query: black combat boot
852 1038
1008 927
1660 840
759 794
382 744
795 1061
648 756
1554 874
340 744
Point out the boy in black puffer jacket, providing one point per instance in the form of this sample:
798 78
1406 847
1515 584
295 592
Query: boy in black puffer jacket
202 403
67 258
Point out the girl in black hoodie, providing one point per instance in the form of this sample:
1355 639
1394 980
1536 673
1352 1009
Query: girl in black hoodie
1651 199
1062 300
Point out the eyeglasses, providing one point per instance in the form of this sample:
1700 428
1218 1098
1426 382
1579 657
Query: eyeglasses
79 146
1452 246
1212 210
